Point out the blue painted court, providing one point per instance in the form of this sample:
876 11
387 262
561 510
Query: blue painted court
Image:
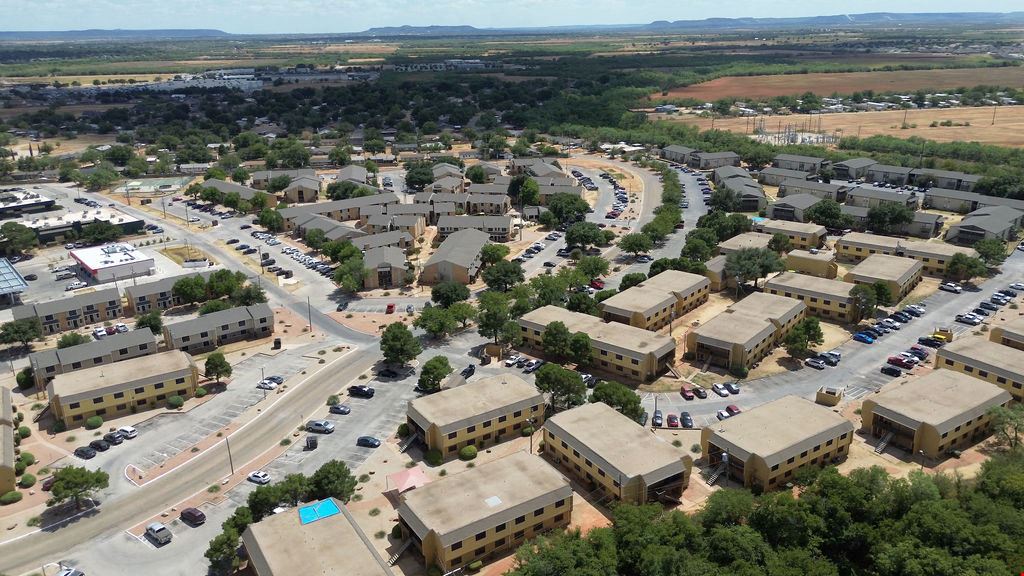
313 512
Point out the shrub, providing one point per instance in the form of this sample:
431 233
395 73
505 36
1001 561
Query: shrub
443 472
28 458
175 402
27 481
200 392
374 512
467 453
285 442
380 534
434 458
19 468
434 571
59 427
93 422
19 417
24 431
333 400
10 498
364 478
695 448
528 431
70 438
396 532
34 521
475 566
677 443
213 489
403 430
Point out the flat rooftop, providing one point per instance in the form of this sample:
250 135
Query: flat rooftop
768 306
11 281
785 226
111 255
98 379
628 339
885 267
980 350
330 546
779 429
735 328
745 240
810 285
606 436
40 222
822 255
921 247
656 292
461 504
943 399
479 400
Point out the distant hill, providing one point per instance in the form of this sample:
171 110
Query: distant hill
79 35
870 20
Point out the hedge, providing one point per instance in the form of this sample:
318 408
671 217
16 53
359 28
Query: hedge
200 392
10 498
93 422
467 453
434 458
24 432
27 481
175 402
28 458
403 430
396 532
19 468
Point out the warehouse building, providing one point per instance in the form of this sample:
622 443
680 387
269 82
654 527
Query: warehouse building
121 388
485 511
655 302
827 299
765 446
985 360
934 414
900 274
745 332
612 454
481 413
629 353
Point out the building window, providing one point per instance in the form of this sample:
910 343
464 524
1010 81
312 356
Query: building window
500 527
559 517
487 424
158 385
502 418
519 535
520 519
479 551
140 402
481 536
517 413
791 460
73 405
471 429
101 411
118 394
452 448
98 400
538 512
161 396
560 503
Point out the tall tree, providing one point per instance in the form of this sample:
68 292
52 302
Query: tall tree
449 292
780 243
592 266
865 301
217 367
962 267
619 397
76 484
555 340
17 238
493 314
503 275
398 344
889 217
333 479
493 253
434 372
583 234
631 279
24 331
271 220
476 174
151 320
565 386
991 250
635 244
435 321
883 295
580 348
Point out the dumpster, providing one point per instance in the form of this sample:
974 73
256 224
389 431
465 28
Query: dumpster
311 442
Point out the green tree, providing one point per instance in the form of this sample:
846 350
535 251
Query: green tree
724 199
780 243
294 488
223 283
567 207
345 189
17 238
76 484
592 267
217 367
555 340
315 238
418 174
191 289
800 338
279 183
476 174
333 479
889 217
1008 425
583 234
435 321
263 500
240 175
449 292
72 339
565 386
962 267
743 265
865 301
635 244
248 295
211 306
215 173
529 193
100 232
493 253
828 213
340 156
503 275
882 293
23 331
462 312
434 372
697 249
991 250
222 552
271 220
492 315
580 349
151 320
351 273
631 279
258 202
619 397
398 344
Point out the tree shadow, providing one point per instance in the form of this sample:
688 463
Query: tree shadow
56 517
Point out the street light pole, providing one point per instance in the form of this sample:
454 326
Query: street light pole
231 462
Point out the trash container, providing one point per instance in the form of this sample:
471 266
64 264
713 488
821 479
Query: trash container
311 442
277 343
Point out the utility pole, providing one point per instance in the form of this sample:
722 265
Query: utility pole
309 312
231 462
994 108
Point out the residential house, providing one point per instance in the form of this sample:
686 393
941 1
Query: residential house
965 202
1009 334
339 210
457 259
949 179
748 192
244 192
677 153
723 173
496 204
934 256
443 169
885 174
353 173
393 239
793 186
332 229
994 222
158 295
301 190
449 184
872 196
744 241
716 274
261 178
800 235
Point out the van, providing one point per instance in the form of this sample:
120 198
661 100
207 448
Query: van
159 533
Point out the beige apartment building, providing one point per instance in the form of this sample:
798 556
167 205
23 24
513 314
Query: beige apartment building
818 263
338 210
717 276
985 360
75 312
744 241
653 303
934 414
610 453
934 256
900 274
828 299
158 295
485 511
46 364
457 259
218 328
1009 334
122 388
745 332
766 445
499 228
627 352
480 413
800 235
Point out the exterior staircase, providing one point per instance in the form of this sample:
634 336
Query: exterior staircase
398 553
716 474
885 442
404 445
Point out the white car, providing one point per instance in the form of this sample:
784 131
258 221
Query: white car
1017 286
75 286
266 385
951 287
193 219
511 361
909 357
891 323
128 431
99 333
121 327
258 477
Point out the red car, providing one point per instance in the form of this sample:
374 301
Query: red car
597 284
390 309
900 361
673 421
686 392
733 409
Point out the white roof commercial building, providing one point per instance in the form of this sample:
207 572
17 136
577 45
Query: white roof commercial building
113 262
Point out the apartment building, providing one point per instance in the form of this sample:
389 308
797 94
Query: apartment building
485 511
457 258
244 192
338 210
628 352
158 295
828 299
75 312
716 274
774 176
540 167
801 163
261 178
677 153
765 446
853 169
550 190
823 190
392 239
744 241
122 388
900 274
886 174
353 173
315 538
723 173
712 160
385 268
949 179
488 204
748 193
934 256
792 207
993 222
46 364
332 229
615 456
655 302
1009 334
870 196
934 414
745 332
985 360
800 235
821 264
219 328
302 190
964 202
481 413
444 169
449 184
499 228
8 459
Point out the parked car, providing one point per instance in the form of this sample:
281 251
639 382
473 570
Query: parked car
114 438
657 420
899 361
827 359
988 306
266 385
258 477
930 342
685 391
340 409
673 421
468 371
720 390
361 391
722 414
686 420
733 409
99 445
863 337
129 432
891 371
159 533
921 353
320 426
969 319
536 366
511 360
700 392
980 312
193 516
951 287
733 387
815 363
367 442
85 452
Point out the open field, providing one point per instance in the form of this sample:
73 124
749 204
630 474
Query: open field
847 82
75 109
1007 131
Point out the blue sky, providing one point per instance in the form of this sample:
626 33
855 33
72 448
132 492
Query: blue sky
318 16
